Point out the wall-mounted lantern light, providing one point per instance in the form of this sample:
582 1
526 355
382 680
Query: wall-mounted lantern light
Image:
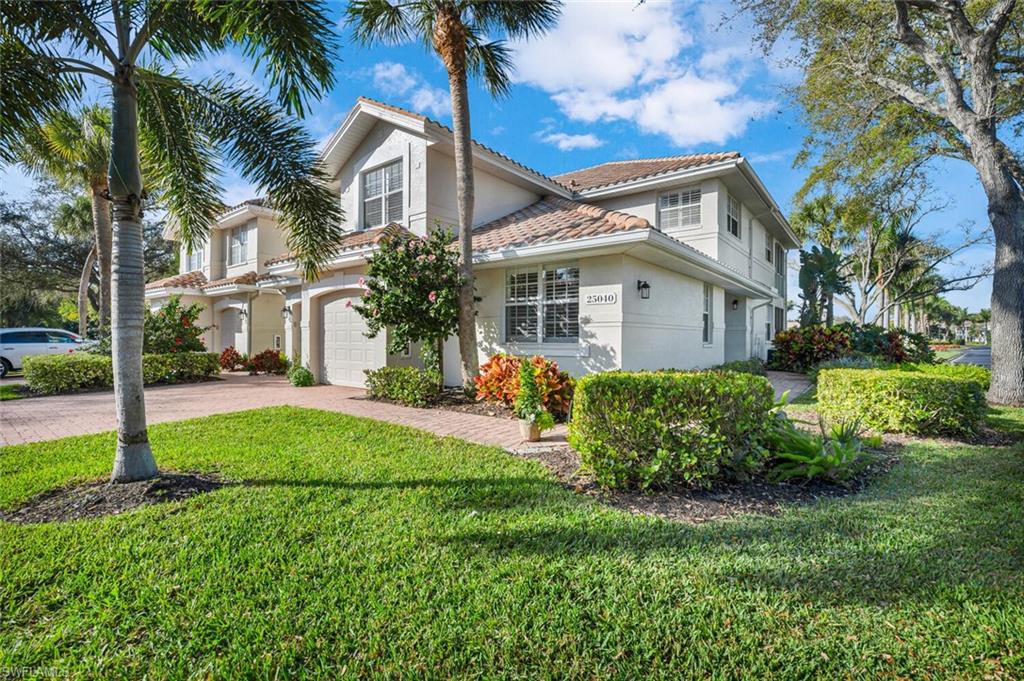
644 288
735 304
243 313
286 313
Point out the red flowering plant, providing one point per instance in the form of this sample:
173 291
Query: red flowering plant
498 381
412 294
231 359
803 348
173 328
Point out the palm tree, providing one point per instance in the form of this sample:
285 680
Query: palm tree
75 218
74 150
180 126
462 33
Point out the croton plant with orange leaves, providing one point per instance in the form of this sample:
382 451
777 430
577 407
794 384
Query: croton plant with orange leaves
498 381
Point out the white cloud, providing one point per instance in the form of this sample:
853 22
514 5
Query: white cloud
567 142
396 80
642 64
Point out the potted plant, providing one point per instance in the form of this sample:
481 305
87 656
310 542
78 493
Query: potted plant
529 407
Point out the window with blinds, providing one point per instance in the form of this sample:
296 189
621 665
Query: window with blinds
382 195
238 245
542 304
679 208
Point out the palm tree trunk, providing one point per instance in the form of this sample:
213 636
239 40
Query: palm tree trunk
134 458
83 292
101 224
449 39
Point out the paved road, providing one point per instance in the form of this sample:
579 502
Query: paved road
982 356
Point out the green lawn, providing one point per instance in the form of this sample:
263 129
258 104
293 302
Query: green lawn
948 354
10 392
357 548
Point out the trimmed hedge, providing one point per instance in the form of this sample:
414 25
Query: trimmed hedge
969 372
752 366
907 401
661 428
53 374
405 385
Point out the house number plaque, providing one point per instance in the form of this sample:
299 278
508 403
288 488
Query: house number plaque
607 298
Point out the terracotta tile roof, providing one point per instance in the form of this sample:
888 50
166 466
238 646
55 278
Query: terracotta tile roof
424 119
353 240
615 172
259 201
549 220
195 279
249 278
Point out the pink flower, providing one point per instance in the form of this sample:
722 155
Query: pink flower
431 257
362 281
432 297
348 303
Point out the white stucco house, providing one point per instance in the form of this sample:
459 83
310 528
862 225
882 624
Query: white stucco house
651 263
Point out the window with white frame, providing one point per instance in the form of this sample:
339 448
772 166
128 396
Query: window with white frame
382 195
194 261
780 319
238 245
542 304
768 246
679 208
707 320
732 216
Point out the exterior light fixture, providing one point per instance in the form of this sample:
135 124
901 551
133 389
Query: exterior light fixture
735 304
286 313
644 288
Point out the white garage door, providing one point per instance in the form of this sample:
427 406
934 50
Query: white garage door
345 349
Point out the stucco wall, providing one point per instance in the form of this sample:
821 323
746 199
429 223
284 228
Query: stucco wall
382 145
265 320
493 196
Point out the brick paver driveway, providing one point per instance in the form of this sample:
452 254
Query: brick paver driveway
48 418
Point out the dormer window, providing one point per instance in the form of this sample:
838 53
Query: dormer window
382 195
194 261
679 208
732 216
238 245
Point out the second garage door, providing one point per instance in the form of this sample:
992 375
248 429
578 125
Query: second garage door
345 349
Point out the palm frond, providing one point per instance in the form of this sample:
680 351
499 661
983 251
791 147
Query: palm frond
375 21
518 20
271 150
177 30
492 63
33 88
178 159
293 41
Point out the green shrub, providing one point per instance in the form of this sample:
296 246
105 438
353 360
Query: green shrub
529 404
969 372
890 400
173 328
853 362
892 345
53 374
268 362
405 385
751 366
807 346
835 454
300 376
659 428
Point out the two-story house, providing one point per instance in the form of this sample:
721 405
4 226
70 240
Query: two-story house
652 263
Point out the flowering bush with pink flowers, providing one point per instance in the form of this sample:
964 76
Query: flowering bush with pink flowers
412 291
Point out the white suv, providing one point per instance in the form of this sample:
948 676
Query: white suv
16 344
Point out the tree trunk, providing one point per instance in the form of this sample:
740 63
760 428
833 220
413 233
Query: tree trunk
101 223
1006 213
449 41
83 292
134 459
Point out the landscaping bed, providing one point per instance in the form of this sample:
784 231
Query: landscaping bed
100 498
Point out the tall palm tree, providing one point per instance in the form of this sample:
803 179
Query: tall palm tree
463 33
74 150
48 48
75 218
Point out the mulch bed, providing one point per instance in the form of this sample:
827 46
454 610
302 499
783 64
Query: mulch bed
101 498
695 506
456 400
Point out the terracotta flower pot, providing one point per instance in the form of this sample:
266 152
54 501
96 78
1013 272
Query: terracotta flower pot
529 430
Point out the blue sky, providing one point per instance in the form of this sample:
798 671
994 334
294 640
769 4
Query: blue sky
614 81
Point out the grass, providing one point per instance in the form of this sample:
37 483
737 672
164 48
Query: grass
10 391
947 355
357 548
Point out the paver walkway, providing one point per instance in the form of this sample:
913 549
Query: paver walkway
48 418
